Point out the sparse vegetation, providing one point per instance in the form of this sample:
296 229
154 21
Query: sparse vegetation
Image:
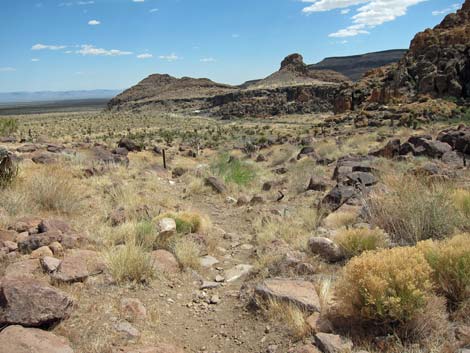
130 263
234 170
412 210
354 242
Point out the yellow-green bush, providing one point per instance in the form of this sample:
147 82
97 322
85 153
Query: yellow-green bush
354 242
386 286
462 203
187 222
450 262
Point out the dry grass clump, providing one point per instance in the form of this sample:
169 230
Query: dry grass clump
411 211
295 228
187 253
354 242
386 287
292 316
461 199
54 189
340 219
450 262
130 263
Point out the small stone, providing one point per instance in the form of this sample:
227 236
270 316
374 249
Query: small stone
41 252
219 278
133 309
10 245
237 272
57 248
127 329
208 261
329 343
50 264
166 227
209 285
215 299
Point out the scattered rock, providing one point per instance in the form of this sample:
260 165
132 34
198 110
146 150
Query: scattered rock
295 292
37 241
25 268
50 264
216 184
325 248
78 265
329 343
237 272
160 348
126 328
208 261
41 252
29 302
17 339
165 262
166 227
133 309
129 145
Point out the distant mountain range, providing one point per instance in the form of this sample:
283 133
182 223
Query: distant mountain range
48 96
355 66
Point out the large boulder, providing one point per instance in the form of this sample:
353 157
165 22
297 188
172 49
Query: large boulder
337 197
329 343
301 294
17 339
29 302
78 265
458 139
129 145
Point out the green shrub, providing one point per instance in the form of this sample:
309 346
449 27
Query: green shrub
462 203
450 261
386 286
354 242
233 170
411 210
8 170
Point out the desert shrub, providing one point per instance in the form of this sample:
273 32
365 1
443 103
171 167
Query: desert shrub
234 170
462 203
8 170
290 315
8 126
130 263
354 242
145 234
187 253
55 190
340 219
386 286
450 262
411 210
295 229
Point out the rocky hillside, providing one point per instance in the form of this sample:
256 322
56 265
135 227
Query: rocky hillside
157 88
355 66
294 89
294 72
438 62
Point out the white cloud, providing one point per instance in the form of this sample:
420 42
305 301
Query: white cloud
138 0
144 56
94 22
207 60
451 8
7 69
40 46
345 11
90 50
170 58
371 14
153 10
34 60
85 3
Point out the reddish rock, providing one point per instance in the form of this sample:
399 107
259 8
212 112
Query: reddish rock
164 261
133 309
29 302
25 268
78 265
17 339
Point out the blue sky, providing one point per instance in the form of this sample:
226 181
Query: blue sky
81 44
